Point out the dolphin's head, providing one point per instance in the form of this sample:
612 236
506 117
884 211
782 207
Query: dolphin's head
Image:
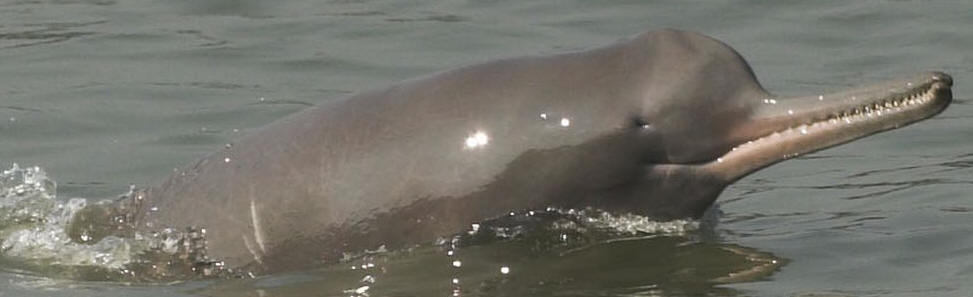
714 121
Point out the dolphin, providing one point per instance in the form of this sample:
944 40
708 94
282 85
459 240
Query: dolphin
657 125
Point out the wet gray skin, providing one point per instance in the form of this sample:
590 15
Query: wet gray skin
657 124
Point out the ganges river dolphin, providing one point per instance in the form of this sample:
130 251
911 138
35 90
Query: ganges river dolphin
656 125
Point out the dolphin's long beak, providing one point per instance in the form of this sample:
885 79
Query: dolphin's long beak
784 128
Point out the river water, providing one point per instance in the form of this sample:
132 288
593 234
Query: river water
103 94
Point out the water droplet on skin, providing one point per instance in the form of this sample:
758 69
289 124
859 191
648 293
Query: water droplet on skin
476 140
790 112
820 97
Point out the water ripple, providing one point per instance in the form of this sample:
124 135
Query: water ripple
43 33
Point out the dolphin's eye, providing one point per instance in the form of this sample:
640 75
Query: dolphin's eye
639 122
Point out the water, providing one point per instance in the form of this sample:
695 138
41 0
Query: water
103 94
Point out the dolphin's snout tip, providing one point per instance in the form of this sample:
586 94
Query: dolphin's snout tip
943 78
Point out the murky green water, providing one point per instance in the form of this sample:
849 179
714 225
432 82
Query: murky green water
103 94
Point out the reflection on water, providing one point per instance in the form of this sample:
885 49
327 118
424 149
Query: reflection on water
545 253
646 266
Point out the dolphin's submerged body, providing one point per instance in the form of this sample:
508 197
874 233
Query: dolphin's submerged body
656 125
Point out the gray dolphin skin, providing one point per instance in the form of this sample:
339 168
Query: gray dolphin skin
656 125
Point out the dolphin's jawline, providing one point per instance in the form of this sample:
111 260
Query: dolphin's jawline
834 123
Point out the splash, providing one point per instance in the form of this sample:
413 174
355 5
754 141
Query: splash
89 241
26 195
553 229
635 224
